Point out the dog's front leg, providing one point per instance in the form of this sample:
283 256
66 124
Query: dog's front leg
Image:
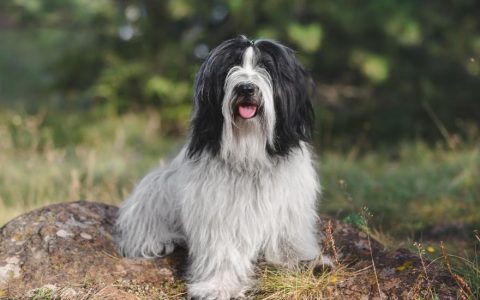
296 243
220 266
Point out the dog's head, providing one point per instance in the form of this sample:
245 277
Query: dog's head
251 101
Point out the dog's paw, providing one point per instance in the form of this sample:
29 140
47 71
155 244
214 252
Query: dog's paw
161 249
146 250
321 265
210 290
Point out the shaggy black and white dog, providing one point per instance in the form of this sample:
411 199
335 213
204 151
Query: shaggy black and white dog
244 185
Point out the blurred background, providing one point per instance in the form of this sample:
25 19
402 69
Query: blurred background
93 94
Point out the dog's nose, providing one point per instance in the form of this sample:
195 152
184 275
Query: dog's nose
246 89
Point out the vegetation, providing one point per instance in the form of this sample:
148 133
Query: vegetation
408 189
47 158
413 193
381 66
52 157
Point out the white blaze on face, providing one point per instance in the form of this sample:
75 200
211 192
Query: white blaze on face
247 141
248 59
248 111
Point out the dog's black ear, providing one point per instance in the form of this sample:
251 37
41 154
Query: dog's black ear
207 119
293 89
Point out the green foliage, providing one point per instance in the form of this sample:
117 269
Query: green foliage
308 38
469 269
115 56
357 220
373 66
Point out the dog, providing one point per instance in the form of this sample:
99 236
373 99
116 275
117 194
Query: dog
244 186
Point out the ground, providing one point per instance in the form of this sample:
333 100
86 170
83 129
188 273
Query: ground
66 251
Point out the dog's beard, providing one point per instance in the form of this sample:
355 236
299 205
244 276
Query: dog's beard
249 120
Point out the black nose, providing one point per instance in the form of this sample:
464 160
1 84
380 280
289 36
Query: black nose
246 89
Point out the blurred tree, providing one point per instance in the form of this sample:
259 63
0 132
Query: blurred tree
378 63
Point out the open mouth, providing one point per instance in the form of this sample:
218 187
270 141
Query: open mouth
247 110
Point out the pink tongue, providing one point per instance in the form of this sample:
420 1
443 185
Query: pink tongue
247 111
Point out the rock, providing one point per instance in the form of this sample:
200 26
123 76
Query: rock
112 293
70 245
66 251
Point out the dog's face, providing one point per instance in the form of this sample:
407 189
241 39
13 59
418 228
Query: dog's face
251 101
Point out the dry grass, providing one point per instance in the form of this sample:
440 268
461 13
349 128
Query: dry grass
100 162
421 254
464 287
281 284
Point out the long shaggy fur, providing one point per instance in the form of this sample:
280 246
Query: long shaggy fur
240 188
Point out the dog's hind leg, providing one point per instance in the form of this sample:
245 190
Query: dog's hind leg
147 224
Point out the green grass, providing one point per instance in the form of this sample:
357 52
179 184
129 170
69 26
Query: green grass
408 189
